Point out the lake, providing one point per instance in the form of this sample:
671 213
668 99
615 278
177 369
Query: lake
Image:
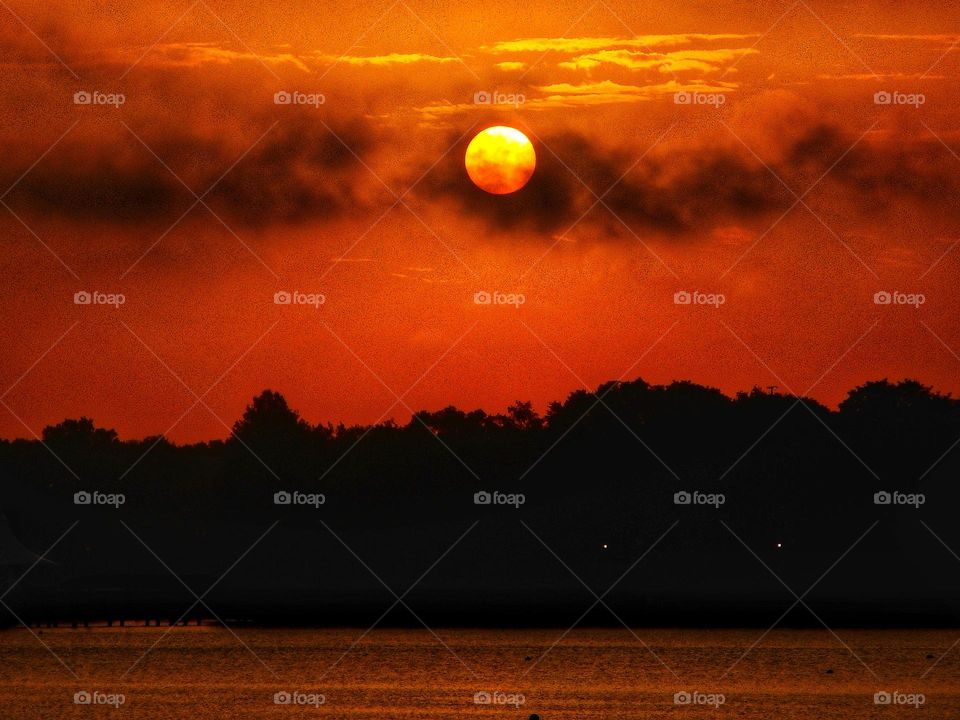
211 672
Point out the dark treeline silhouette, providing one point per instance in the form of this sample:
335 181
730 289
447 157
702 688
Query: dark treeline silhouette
599 475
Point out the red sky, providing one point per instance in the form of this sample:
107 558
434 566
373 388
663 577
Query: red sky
798 198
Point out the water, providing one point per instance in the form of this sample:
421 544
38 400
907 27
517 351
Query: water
208 672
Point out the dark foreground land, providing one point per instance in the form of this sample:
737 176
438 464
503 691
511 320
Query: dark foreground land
852 511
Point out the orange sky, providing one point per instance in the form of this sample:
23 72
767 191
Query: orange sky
795 195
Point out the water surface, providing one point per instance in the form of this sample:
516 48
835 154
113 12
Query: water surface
211 672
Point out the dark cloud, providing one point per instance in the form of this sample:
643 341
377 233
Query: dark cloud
921 170
698 189
299 171
302 172
677 189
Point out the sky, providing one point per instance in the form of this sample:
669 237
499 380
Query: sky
778 164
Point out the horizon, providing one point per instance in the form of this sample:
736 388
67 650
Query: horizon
540 413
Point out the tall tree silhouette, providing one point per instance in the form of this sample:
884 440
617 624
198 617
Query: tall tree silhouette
272 439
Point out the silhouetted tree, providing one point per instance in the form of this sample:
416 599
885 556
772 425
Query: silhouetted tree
270 418
523 416
79 433
272 441
450 421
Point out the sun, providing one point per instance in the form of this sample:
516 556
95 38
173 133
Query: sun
500 160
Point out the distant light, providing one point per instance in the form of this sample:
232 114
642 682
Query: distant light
604 546
779 545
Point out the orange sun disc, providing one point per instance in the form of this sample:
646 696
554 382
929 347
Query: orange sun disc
500 160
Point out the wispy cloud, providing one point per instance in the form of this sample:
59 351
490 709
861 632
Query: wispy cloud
587 44
607 91
600 92
880 76
389 59
705 61
940 39
195 54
